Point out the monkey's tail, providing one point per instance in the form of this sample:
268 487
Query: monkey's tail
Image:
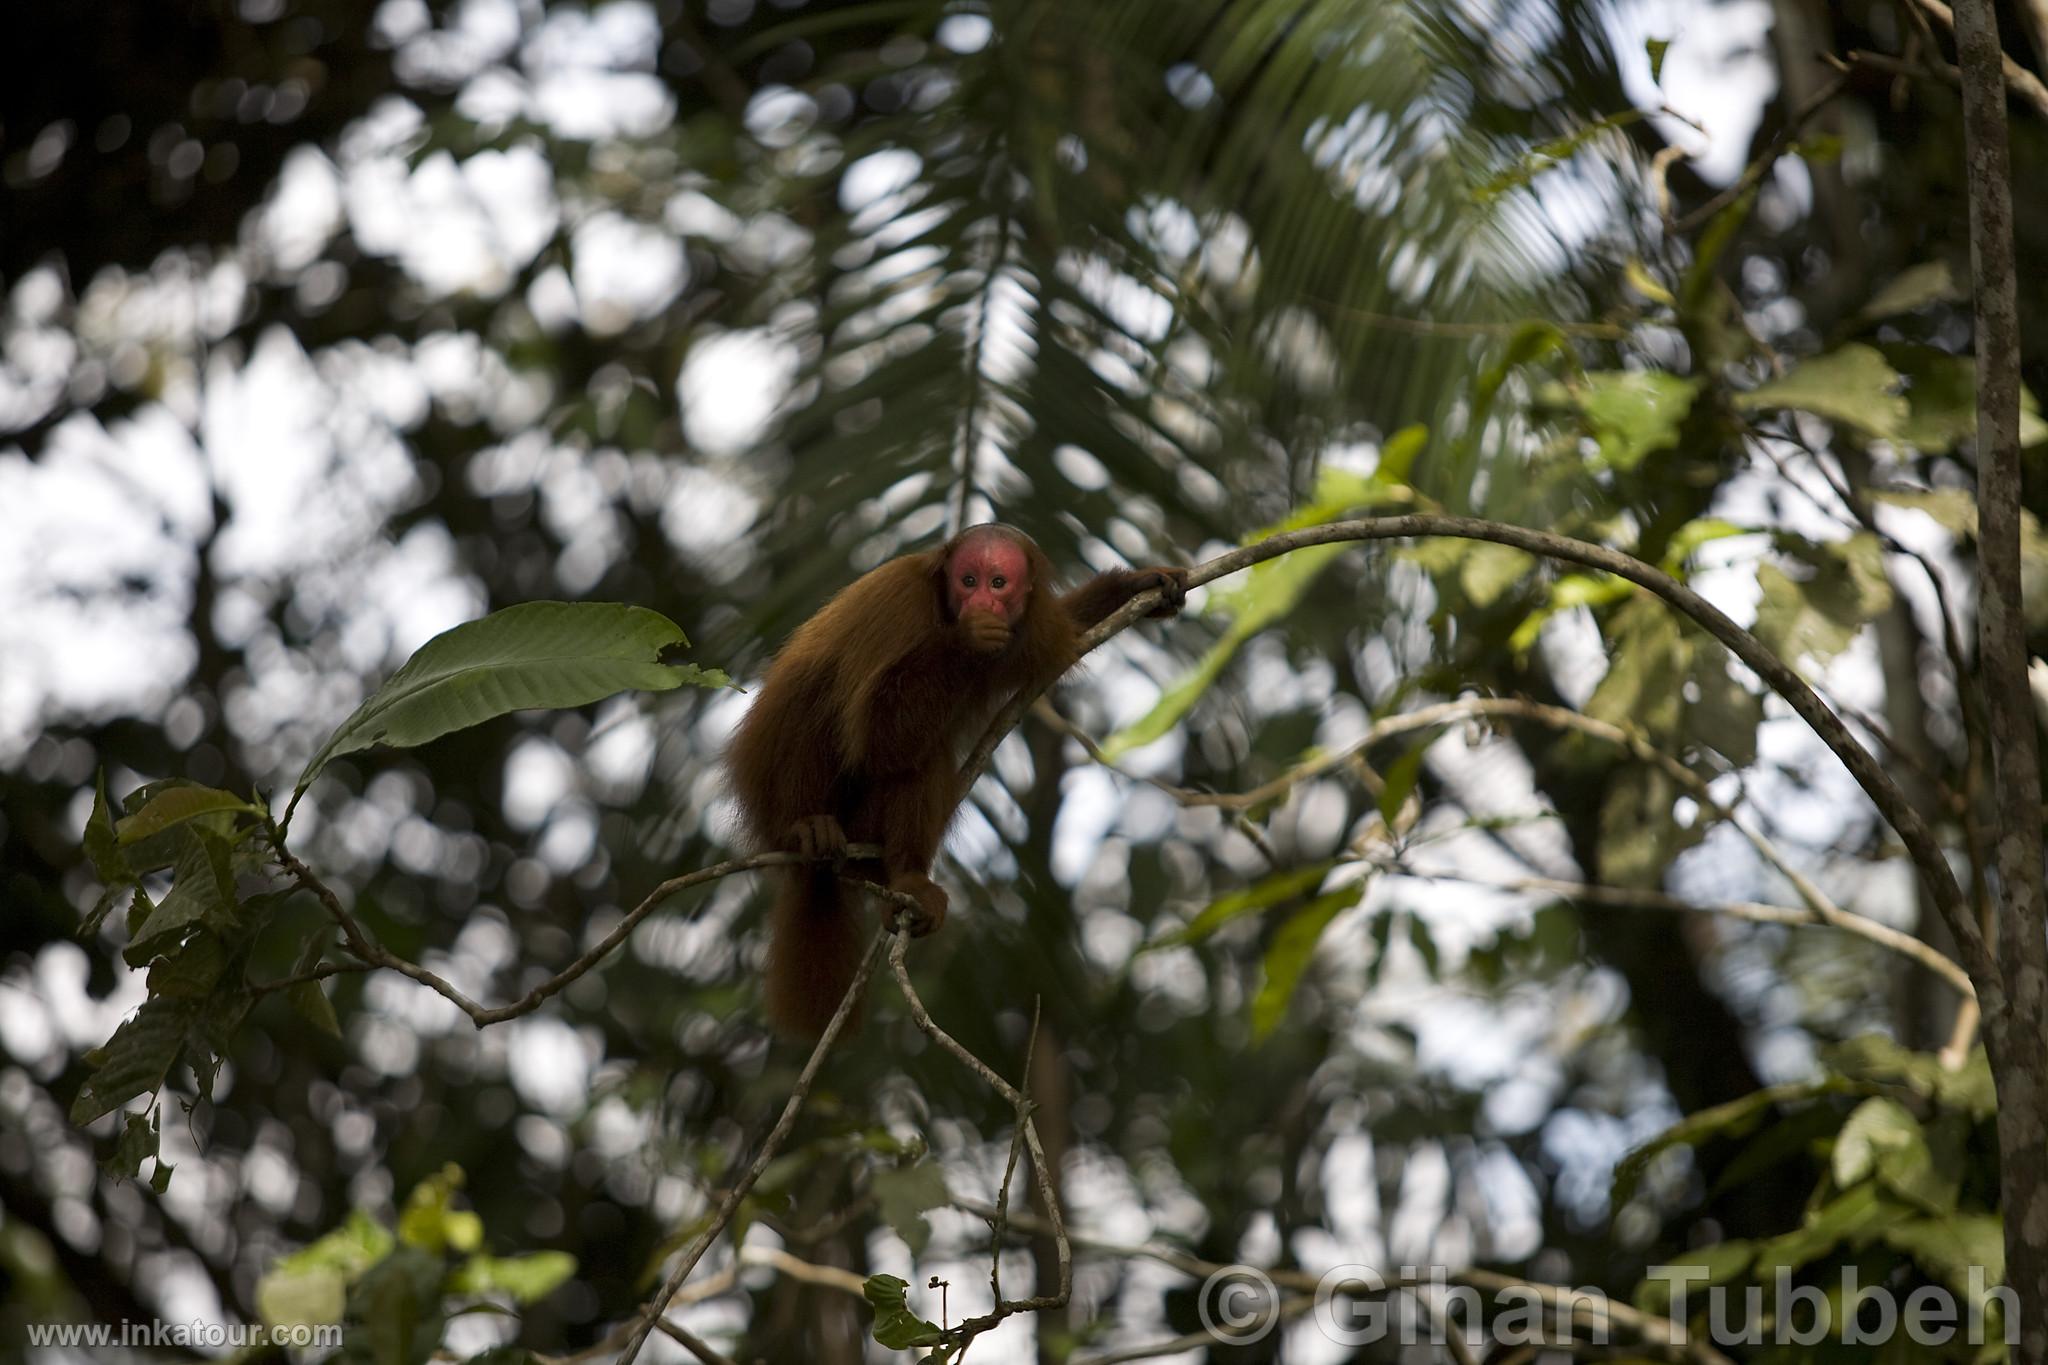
814 951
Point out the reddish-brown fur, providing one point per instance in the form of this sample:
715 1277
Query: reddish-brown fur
858 730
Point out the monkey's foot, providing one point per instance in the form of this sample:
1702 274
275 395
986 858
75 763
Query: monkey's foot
931 905
1173 589
818 836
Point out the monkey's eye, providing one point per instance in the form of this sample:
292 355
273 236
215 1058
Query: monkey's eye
967 580
998 582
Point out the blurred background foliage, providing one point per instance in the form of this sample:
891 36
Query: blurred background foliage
332 323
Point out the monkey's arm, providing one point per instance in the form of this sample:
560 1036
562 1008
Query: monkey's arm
1104 593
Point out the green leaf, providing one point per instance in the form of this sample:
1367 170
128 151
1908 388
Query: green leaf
103 850
1874 1126
1872 1057
1953 509
1425 945
1401 776
1489 570
1719 1263
1942 391
1397 455
1947 1248
394 1314
1656 48
192 971
1852 1220
905 1194
526 1278
536 655
1281 886
202 892
1266 592
1639 829
1545 155
177 805
1695 533
431 1222
138 1142
1816 617
310 1003
1643 282
896 1327
1634 413
309 1286
1913 289
1852 385
1287 957
1733 1119
134 1060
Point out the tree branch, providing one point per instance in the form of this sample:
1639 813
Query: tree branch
1047 1188
1929 859
2016 1021
778 1135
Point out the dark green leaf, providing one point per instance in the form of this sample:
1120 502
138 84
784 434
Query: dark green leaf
138 1142
1400 778
538 654
896 1327
177 805
1279 887
135 1058
310 1003
1656 48
1287 957
1732 1119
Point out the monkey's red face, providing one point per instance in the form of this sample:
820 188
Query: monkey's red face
988 574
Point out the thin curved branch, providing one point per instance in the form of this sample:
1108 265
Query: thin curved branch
1929 859
1757 912
371 953
1654 1331
770 1146
1047 1190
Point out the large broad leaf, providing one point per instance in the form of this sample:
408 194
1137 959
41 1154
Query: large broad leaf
1634 413
135 1059
538 654
1818 615
1852 384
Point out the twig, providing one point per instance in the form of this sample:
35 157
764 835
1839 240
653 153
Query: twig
1754 911
1047 1191
374 954
2018 79
1921 845
730 1204
1652 1329
995 1268
693 1343
1821 909
1755 171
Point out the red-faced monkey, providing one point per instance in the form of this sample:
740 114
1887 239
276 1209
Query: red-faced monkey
858 729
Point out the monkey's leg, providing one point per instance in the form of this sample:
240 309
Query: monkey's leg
914 811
